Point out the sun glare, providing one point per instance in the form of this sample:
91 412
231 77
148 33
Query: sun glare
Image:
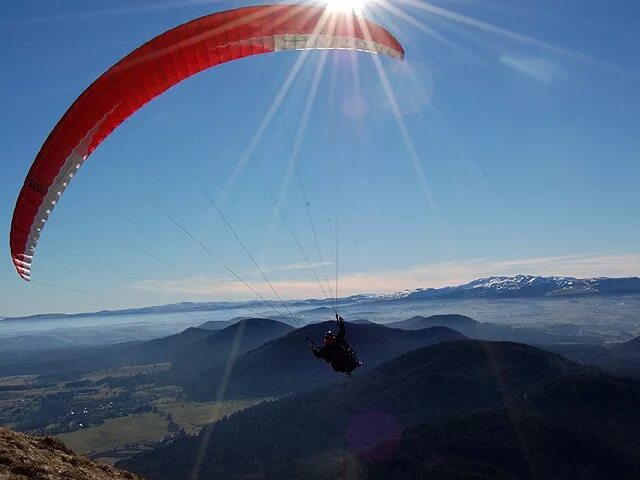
346 5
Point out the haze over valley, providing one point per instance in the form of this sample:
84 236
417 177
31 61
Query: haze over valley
121 386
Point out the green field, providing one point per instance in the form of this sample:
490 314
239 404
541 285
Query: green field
150 427
192 416
128 371
17 380
117 432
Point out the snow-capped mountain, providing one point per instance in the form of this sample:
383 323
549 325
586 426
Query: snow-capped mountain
532 286
520 286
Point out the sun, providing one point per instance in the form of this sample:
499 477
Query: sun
346 5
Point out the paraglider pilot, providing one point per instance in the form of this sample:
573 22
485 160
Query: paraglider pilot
336 350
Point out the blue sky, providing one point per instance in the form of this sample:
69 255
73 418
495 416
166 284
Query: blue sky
514 148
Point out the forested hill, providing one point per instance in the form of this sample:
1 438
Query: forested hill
462 323
569 427
286 364
567 334
189 348
621 358
467 386
240 337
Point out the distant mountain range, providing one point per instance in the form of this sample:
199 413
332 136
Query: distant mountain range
519 286
461 323
189 350
198 352
526 286
556 334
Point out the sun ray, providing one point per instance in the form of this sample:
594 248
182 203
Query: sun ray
260 131
501 31
248 153
275 105
421 26
296 148
409 145
326 17
294 158
205 437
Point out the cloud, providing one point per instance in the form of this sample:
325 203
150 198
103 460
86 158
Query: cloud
422 276
290 267
539 69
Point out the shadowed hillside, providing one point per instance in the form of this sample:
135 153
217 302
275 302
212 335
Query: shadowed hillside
462 323
628 349
286 364
204 347
569 427
215 325
560 333
216 346
322 433
193 346
621 358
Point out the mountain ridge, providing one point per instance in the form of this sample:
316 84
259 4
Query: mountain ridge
310 434
285 364
518 286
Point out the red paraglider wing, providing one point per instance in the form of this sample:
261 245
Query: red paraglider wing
155 67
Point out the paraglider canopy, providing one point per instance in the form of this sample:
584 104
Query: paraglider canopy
155 67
